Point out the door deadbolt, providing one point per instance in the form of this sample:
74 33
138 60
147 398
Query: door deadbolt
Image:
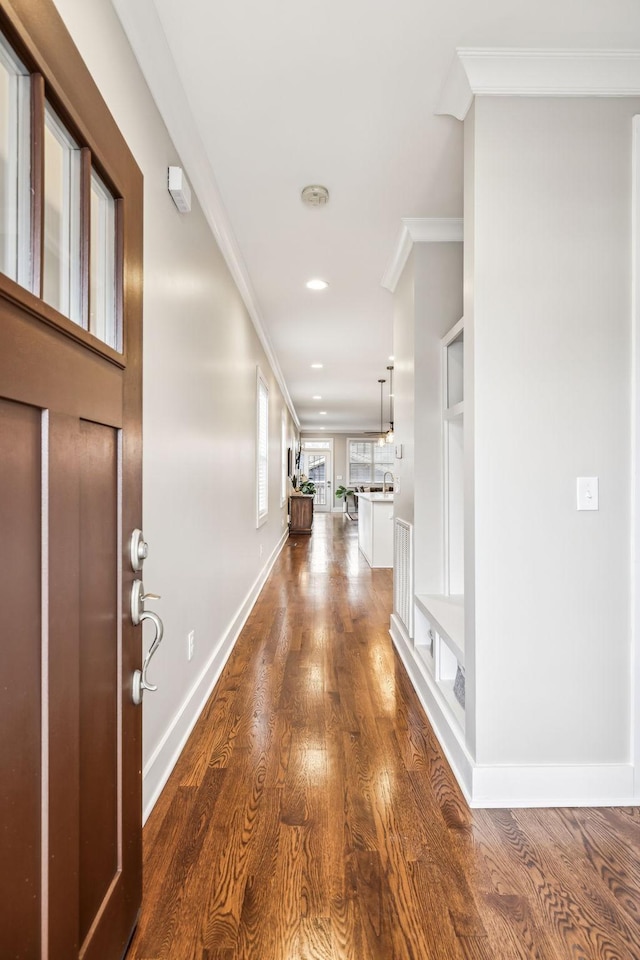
138 550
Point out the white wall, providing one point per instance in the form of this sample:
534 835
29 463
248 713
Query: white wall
200 357
403 389
548 393
438 306
469 431
551 187
427 303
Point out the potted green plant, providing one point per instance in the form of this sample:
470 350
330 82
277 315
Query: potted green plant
342 493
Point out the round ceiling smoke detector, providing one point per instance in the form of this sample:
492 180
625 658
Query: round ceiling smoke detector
315 195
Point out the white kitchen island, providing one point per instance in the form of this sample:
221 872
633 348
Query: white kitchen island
375 528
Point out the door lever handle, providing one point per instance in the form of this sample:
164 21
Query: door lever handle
138 615
138 597
140 683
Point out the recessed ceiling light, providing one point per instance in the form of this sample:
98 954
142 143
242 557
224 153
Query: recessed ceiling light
322 428
317 397
316 284
392 357
317 366
323 413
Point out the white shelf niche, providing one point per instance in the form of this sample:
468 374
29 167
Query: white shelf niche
439 643
424 635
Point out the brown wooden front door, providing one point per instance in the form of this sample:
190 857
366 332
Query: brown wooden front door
70 496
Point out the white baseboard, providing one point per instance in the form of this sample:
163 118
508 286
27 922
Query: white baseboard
158 767
553 785
436 710
512 785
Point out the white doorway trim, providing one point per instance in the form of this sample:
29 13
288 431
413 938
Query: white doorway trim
635 454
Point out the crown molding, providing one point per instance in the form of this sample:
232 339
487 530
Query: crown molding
419 230
506 72
146 35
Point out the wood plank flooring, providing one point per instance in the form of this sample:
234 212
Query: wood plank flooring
312 815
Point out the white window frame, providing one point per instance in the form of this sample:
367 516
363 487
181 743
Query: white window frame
17 214
283 461
317 443
373 441
262 448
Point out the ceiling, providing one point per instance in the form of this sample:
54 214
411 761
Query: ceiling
263 99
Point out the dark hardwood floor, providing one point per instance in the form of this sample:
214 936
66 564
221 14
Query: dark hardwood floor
312 815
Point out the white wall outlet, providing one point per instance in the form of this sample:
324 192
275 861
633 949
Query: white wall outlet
191 644
587 491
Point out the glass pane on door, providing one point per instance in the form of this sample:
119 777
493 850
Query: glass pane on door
61 280
102 281
316 467
15 168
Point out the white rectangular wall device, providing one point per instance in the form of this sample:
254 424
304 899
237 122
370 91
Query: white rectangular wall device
179 189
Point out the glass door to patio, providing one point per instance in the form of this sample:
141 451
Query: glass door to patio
316 464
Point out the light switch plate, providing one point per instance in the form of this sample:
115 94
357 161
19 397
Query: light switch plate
587 491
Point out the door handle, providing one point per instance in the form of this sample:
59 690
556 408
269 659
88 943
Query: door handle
138 597
140 683
138 615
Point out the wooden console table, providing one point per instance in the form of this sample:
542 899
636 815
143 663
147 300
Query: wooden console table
301 513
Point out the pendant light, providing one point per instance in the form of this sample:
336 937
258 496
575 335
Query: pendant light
381 438
390 436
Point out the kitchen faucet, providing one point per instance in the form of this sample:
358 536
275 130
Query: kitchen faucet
384 480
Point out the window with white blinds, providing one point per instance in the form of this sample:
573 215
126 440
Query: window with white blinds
262 449
368 462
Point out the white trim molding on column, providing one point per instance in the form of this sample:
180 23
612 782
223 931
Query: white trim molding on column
635 452
508 72
419 230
